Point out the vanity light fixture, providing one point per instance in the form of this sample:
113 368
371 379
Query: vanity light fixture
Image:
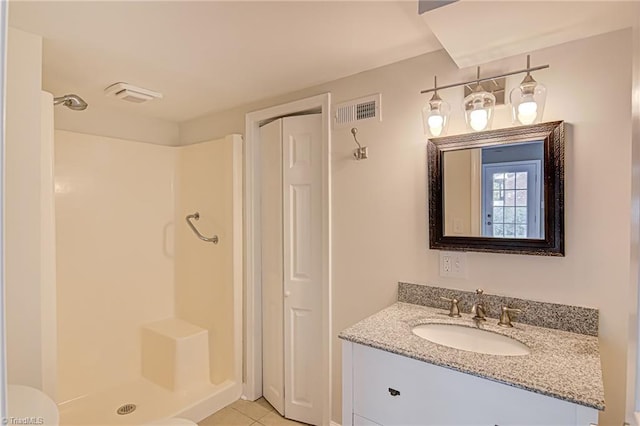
478 108
435 115
527 100
527 103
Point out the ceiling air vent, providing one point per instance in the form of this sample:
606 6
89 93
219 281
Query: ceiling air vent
129 92
358 110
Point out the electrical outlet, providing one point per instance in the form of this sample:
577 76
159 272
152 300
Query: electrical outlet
453 264
446 264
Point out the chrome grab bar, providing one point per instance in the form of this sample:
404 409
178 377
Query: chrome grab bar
196 216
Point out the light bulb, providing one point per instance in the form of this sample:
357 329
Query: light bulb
478 108
527 112
435 115
527 100
478 119
435 123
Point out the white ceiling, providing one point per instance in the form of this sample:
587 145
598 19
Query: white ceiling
211 56
475 32
208 56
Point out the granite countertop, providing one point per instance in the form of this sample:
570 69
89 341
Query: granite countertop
561 364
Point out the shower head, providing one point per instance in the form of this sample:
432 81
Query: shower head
73 102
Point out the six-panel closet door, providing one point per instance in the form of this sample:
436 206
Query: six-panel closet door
290 151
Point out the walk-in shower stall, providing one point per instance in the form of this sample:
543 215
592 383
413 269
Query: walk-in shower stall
147 315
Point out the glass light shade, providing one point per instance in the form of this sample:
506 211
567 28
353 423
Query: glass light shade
527 101
435 117
478 109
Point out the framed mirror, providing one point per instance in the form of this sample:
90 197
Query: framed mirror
499 191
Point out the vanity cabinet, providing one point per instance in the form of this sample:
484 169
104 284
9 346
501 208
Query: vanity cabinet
382 388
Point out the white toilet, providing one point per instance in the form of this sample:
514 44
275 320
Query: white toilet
25 402
175 421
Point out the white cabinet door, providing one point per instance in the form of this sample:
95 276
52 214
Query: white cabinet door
390 389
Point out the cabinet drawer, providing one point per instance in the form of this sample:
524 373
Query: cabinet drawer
361 421
391 390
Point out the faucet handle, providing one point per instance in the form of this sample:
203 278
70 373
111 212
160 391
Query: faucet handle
454 309
505 319
478 311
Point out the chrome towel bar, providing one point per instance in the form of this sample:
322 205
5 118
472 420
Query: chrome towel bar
196 216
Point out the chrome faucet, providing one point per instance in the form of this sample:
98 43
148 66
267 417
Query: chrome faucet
478 310
454 310
505 319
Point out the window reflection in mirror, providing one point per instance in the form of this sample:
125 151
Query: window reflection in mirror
495 191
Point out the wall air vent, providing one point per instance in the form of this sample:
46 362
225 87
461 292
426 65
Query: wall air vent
358 110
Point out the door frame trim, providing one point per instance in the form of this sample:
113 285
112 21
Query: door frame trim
252 386
4 34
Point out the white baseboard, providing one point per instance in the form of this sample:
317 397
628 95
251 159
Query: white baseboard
334 423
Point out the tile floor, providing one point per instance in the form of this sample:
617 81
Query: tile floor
246 413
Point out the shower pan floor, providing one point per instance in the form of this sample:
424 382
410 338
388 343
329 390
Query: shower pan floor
152 403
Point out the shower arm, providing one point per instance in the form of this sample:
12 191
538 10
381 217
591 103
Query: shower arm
196 216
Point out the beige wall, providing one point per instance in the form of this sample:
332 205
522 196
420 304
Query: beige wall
115 271
632 308
114 123
204 271
22 208
596 269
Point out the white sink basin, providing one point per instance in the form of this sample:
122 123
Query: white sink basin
471 339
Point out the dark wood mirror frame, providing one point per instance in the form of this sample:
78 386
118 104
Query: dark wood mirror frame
552 135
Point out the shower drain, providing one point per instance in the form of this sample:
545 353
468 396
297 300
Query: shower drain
126 409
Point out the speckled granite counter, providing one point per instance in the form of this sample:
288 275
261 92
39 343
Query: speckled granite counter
561 364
